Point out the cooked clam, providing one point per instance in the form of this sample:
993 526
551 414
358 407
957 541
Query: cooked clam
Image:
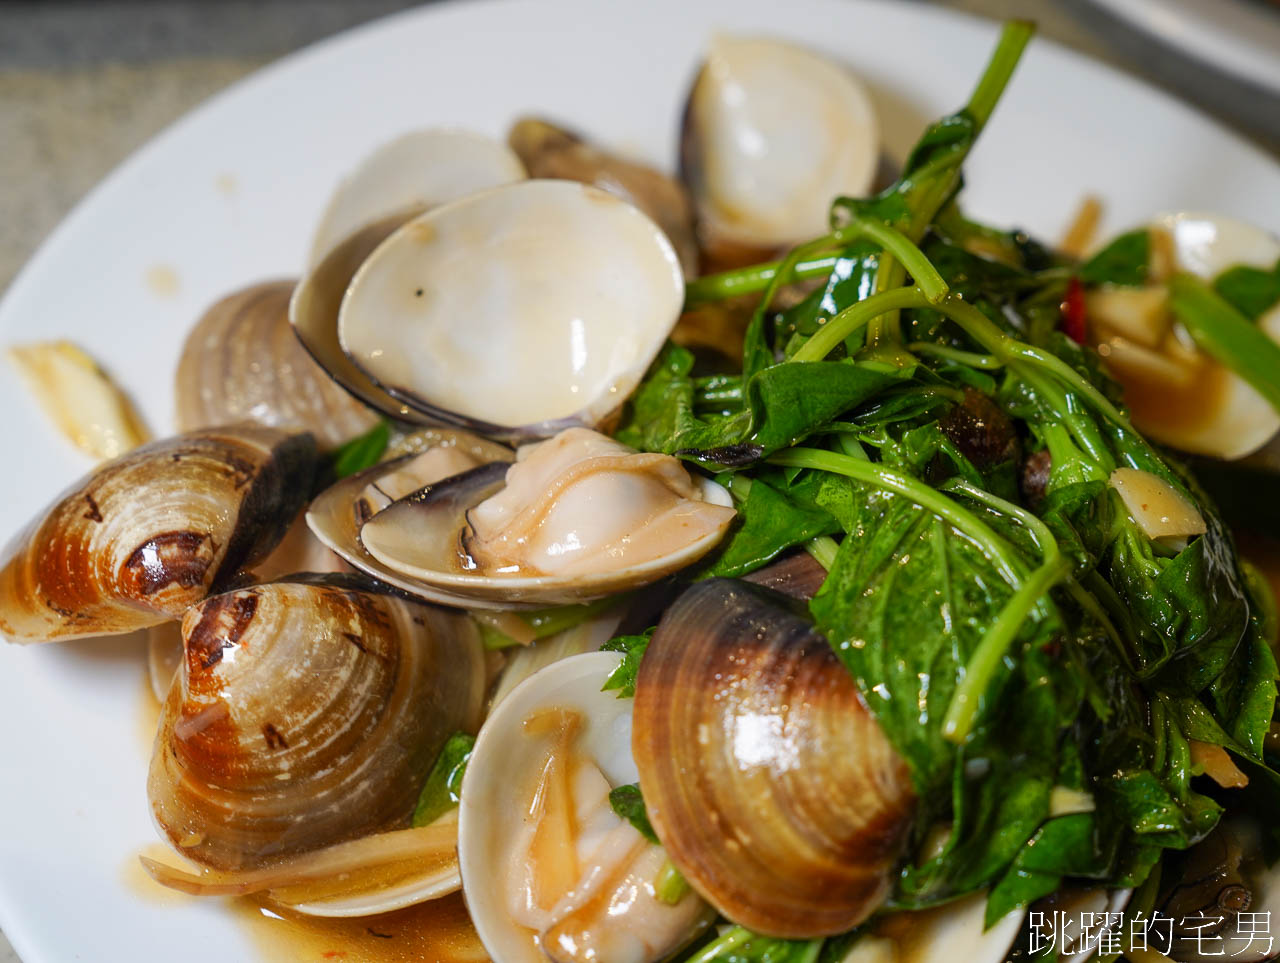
411 174
143 537
1175 392
552 152
242 362
397 183
800 808
578 288
306 714
577 517
336 515
548 869
773 132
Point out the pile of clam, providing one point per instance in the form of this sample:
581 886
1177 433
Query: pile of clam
316 640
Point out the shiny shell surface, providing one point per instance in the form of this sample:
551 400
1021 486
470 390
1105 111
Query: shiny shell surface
416 171
142 537
568 294
768 781
773 132
305 715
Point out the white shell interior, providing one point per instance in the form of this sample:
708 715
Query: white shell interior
537 302
943 935
421 169
782 131
492 810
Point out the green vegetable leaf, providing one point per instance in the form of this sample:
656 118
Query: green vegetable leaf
362 451
623 678
771 520
905 606
443 787
1124 261
628 803
1251 291
784 404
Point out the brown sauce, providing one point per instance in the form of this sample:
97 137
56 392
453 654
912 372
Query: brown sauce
1155 402
439 931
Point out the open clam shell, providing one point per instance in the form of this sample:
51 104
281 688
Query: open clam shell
516 311
336 515
614 519
557 735
314 307
142 537
362 877
305 715
416 171
773 132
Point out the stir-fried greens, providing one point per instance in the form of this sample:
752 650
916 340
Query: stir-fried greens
1045 667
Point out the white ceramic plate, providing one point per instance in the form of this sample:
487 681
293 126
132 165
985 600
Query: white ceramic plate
1239 37
229 195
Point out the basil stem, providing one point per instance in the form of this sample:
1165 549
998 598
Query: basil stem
917 491
750 280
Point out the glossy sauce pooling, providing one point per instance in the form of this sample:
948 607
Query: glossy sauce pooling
439 931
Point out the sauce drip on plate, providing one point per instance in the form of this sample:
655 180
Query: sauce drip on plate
439 930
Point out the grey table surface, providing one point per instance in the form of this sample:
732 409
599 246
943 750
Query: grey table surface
83 83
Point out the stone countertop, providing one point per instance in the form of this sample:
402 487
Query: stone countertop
83 83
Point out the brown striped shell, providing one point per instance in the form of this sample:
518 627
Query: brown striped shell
769 783
550 151
242 362
307 713
148 534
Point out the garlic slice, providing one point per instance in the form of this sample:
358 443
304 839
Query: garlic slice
77 394
1160 510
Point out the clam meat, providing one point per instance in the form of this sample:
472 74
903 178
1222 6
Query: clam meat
577 517
336 515
549 870
144 536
